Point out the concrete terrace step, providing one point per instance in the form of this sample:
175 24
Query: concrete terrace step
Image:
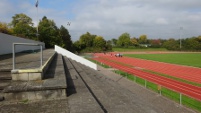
54 86
110 94
80 100
24 60
5 75
33 70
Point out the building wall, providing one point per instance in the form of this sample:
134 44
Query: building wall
6 44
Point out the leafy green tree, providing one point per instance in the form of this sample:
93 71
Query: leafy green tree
191 44
124 40
4 28
114 42
25 31
77 46
49 33
86 40
171 44
134 41
99 42
23 26
21 18
67 42
142 39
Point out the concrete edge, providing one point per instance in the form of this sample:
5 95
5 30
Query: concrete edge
32 74
47 64
37 70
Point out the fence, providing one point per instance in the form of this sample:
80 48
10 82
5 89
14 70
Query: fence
164 91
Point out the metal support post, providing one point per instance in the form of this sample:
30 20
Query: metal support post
145 83
13 56
135 78
41 61
180 99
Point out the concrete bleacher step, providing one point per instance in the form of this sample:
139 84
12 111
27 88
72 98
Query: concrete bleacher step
80 100
28 67
110 94
53 86
5 79
5 75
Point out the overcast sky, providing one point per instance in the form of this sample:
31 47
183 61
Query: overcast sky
111 18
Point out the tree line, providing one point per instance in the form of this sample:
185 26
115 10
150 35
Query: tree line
187 44
22 26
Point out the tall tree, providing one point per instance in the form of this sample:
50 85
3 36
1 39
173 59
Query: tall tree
99 42
64 34
124 40
86 40
25 31
49 33
23 26
21 18
171 44
191 44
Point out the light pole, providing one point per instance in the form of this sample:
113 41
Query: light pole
181 28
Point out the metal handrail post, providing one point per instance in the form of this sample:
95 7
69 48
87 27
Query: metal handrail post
13 56
41 61
28 44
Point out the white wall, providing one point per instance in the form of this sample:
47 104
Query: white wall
6 44
75 57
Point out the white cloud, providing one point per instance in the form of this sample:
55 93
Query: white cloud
111 18
161 21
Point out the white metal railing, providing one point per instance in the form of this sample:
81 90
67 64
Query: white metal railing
28 44
75 57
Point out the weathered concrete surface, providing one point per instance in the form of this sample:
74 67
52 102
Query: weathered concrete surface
53 87
32 73
79 98
23 61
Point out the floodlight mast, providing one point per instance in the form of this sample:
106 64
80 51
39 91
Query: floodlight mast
181 28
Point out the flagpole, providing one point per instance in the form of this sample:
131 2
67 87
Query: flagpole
37 18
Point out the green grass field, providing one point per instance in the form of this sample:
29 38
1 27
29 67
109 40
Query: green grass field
189 59
138 49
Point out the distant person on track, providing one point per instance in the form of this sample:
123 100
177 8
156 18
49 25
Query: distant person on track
118 55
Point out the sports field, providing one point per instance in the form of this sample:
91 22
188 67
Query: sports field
189 59
175 80
138 49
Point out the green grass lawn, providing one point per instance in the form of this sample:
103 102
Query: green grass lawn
187 101
189 59
138 49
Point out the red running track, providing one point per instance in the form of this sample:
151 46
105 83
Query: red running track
184 72
183 88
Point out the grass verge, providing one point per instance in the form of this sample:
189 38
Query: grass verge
96 62
173 95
